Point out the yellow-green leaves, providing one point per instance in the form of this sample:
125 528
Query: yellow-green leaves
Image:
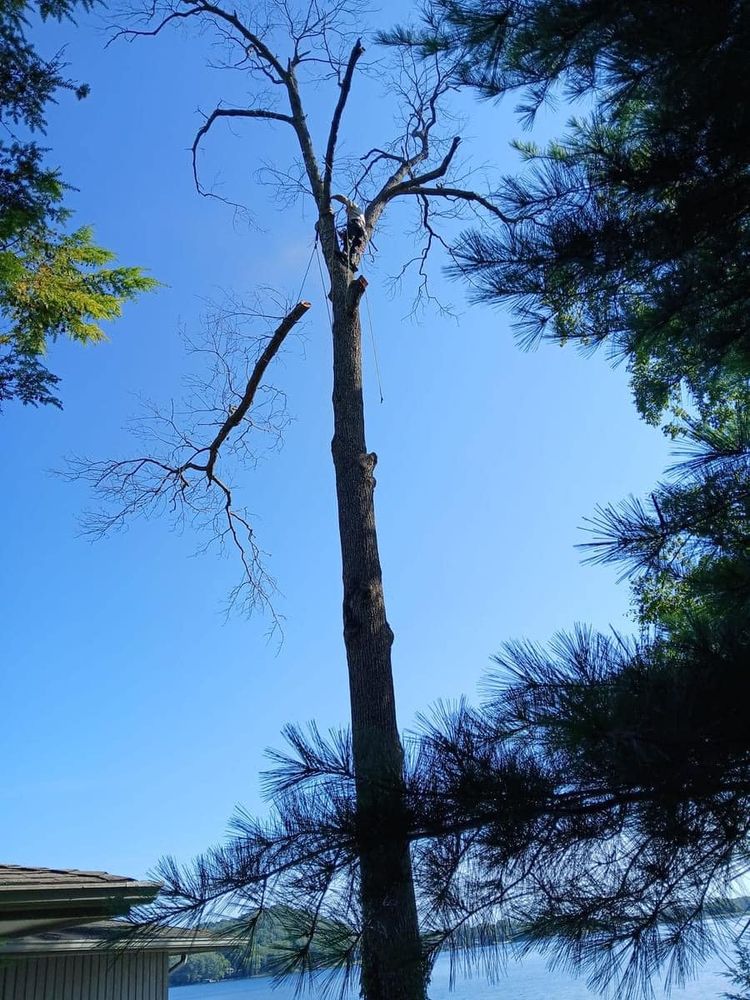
64 286
52 282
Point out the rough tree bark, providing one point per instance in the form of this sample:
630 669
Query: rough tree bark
392 962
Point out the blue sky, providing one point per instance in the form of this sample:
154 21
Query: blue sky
135 718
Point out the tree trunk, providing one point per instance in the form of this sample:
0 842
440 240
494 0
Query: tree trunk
392 963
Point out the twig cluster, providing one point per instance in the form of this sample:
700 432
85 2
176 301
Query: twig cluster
182 477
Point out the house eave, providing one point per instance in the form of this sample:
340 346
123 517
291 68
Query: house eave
113 936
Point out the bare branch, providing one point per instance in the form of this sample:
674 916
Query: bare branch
230 113
131 33
461 195
345 87
182 481
253 40
424 294
422 117
236 418
431 175
305 140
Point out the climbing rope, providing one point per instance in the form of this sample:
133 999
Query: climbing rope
307 269
323 285
316 251
374 348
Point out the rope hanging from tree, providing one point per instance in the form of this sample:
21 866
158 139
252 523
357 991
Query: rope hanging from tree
316 252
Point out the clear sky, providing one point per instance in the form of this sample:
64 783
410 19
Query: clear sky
134 717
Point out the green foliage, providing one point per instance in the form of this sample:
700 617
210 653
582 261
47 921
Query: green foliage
740 975
25 378
30 192
688 547
202 968
596 804
633 229
268 941
48 288
52 282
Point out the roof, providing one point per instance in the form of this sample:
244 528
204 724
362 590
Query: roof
115 934
34 898
16 877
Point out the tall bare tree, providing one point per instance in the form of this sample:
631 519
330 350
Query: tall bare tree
319 43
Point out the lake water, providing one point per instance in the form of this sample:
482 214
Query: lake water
525 979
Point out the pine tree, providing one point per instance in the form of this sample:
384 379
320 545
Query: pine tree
631 230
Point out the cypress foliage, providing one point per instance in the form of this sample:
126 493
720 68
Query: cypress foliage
53 281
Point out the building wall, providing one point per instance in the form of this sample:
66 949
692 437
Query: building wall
98 976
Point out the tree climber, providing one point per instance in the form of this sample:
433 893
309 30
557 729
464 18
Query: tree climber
354 235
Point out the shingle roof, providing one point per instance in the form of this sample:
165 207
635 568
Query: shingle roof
32 897
30 880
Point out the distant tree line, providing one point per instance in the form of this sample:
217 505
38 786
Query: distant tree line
274 942
209 967
277 934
